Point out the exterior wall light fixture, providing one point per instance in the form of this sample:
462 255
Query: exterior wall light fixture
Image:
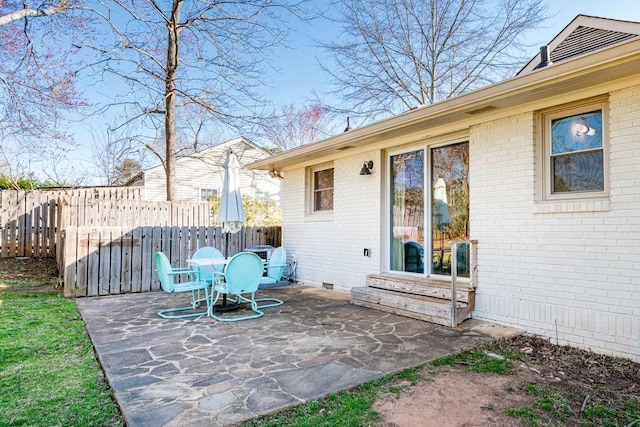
366 168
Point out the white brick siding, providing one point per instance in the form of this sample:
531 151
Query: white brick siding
568 271
331 250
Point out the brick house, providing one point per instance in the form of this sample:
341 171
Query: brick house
541 170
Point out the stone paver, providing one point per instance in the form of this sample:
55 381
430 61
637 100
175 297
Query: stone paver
202 372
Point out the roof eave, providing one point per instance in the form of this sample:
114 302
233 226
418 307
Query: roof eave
600 67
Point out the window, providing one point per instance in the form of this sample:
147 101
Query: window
575 155
322 189
205 193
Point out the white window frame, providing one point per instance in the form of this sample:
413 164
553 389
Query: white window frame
312 212
214 190
546 117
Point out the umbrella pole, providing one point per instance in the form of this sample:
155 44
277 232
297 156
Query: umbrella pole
226 255
226 245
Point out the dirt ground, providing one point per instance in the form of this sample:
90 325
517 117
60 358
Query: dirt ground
574 380
454 398
451 396
29 274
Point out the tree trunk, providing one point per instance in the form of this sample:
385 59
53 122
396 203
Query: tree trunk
170 98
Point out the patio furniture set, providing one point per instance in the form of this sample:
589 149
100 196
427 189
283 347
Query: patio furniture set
235 279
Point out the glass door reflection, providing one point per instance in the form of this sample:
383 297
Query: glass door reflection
407 212
450 207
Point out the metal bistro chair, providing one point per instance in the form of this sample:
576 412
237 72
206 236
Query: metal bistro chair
274 269
205 273
167 279
240 280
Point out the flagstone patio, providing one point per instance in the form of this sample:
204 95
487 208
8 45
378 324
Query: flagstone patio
201 372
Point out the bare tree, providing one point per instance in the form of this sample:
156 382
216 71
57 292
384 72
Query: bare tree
37 79
117 155
21 10
293 127
199 57
395 55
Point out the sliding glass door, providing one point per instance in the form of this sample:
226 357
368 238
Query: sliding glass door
449 207
407 212
445 199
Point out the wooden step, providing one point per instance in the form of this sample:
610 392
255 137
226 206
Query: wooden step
429 309
420 286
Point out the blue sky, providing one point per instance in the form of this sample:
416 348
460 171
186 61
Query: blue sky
301 76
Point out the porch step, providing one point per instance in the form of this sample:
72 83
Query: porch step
419 286
418 298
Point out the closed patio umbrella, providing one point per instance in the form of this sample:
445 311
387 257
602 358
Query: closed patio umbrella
231 213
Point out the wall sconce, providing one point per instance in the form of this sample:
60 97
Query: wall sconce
366 168
276 174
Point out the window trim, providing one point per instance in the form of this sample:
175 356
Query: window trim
311 191
215 190
563 111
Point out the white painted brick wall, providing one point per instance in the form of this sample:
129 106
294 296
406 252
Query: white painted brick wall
568 275
570 272
331 251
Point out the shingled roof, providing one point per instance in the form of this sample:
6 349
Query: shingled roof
583 35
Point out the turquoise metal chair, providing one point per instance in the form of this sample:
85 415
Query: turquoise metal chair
274 270
167 280
240 280
205 273
275 267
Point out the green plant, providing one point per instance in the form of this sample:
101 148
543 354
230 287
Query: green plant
478 361
555 404
18 183
525 413
258 211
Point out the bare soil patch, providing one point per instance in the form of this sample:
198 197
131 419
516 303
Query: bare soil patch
28 274
560 385
454 398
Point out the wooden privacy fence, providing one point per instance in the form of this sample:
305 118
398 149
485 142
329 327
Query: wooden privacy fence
115 260
30 220
105 238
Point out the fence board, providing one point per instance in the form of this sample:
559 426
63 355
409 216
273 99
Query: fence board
157 247
136 260
104 268
125 277
82 248
70 262
115 267
146 258
36 228
93 262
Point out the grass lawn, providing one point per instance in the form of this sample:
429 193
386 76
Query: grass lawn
49 374
352 408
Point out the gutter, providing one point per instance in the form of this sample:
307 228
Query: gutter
598 67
